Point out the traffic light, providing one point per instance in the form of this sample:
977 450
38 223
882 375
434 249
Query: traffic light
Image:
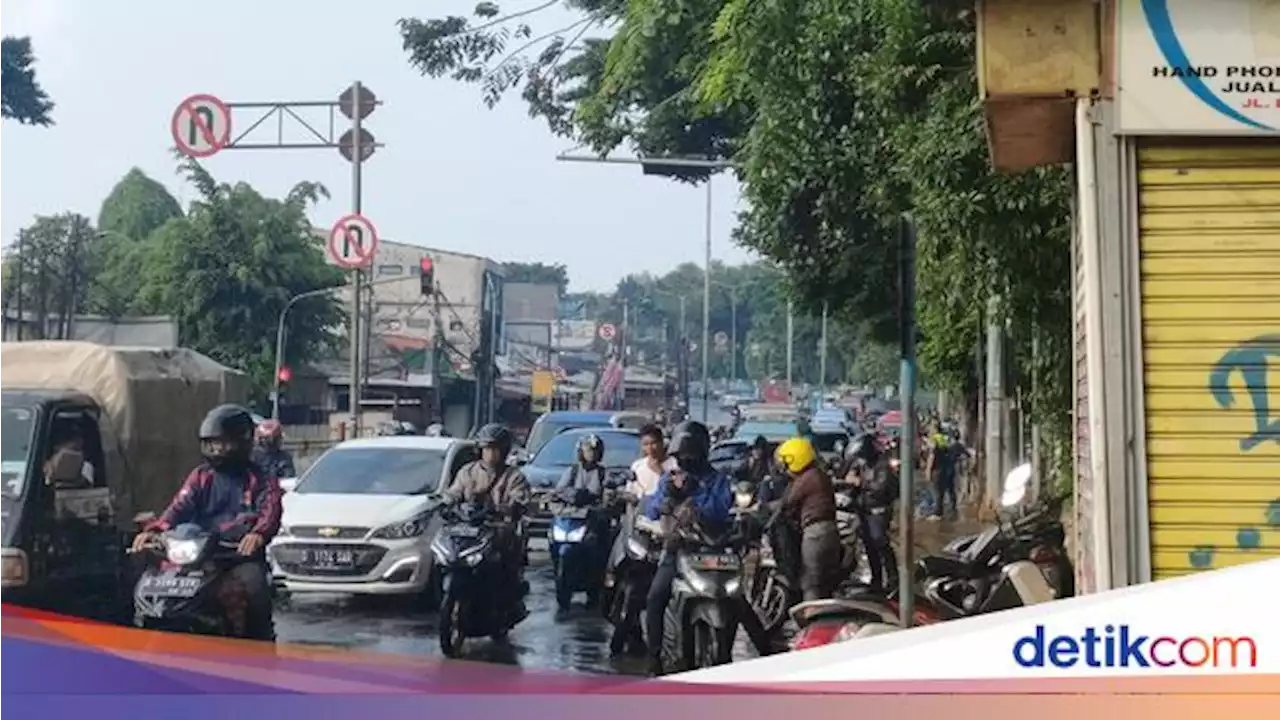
428 276
285 375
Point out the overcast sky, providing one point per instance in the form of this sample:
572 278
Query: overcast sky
454 174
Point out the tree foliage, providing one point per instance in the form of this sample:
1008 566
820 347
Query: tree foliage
137 206
23 98
48 272
539 274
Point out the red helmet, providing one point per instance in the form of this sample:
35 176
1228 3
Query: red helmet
270 430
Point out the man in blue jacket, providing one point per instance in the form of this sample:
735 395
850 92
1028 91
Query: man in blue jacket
692 492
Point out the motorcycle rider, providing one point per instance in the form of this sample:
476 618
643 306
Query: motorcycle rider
269 453
648 469
224 492
490 480
693 491
878 488
810 504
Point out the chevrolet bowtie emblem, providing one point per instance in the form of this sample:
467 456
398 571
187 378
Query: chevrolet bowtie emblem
328 532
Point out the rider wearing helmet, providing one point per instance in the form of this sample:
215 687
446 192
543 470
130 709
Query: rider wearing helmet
692 491
868 468
585 478
809 503
269 454
228 494
490 480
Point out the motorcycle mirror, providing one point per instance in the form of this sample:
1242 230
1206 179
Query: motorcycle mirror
1015 485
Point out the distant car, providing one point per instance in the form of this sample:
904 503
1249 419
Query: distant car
773 431
729 456
554 423
361 518
544 470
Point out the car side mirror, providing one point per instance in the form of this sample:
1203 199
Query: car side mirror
288 484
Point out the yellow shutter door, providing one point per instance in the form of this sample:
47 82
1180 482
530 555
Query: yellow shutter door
1210 236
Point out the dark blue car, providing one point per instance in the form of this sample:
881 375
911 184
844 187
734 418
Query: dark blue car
559 453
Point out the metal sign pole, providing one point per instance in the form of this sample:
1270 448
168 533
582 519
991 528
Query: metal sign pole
907 395
202 126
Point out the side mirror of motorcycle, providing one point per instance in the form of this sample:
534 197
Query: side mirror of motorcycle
1016 484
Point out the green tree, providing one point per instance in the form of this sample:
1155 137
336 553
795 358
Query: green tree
48 272
23 98
225 271
540 274
137 206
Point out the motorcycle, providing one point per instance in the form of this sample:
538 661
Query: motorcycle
701 621
576 549
177 590
472 576
771 586
627 582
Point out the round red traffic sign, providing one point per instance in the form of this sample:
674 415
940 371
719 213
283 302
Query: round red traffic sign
608 331
353 241
201 126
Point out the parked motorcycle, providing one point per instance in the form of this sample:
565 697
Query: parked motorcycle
475 601
992 571
177 590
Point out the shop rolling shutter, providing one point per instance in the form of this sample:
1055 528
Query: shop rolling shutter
1209 230
1083 532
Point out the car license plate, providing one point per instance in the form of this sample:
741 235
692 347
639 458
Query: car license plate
468 531
171 585
330 558
715 562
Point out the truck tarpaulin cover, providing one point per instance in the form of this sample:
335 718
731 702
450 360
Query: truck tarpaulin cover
152 400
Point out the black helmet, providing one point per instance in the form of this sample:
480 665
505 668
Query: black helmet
691 445
864 448
593 441
226 435
495 434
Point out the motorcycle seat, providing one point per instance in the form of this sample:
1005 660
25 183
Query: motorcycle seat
947 566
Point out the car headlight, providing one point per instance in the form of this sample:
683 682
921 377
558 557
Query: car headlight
402 530
285 531
184 552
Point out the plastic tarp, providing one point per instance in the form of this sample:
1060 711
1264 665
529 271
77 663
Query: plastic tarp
152 401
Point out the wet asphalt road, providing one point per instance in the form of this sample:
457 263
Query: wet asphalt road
580 642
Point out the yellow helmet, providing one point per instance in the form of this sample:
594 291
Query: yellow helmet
796 455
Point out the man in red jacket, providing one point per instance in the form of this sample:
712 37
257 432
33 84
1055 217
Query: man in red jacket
229 495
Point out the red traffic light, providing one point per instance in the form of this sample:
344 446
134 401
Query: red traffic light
426 264
285 374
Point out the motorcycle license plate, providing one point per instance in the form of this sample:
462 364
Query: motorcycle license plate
329 558
705 561
466 531
171 585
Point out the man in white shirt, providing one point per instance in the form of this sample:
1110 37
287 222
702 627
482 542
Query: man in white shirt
648 469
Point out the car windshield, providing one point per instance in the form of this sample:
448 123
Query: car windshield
544 430
620 450
15 455
374 471
731 451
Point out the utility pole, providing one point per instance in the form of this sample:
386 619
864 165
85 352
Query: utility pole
822 364
790 337
202 127
622 352
22 242
706 314
684 354
733 335
995 412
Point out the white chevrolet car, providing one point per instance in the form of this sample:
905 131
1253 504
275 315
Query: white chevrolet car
360 520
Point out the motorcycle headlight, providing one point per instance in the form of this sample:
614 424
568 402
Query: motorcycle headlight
184 552
732 586
576 534
473 559
402 530
743 499
474 554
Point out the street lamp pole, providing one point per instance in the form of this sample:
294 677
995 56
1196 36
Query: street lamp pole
692 163
706 313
